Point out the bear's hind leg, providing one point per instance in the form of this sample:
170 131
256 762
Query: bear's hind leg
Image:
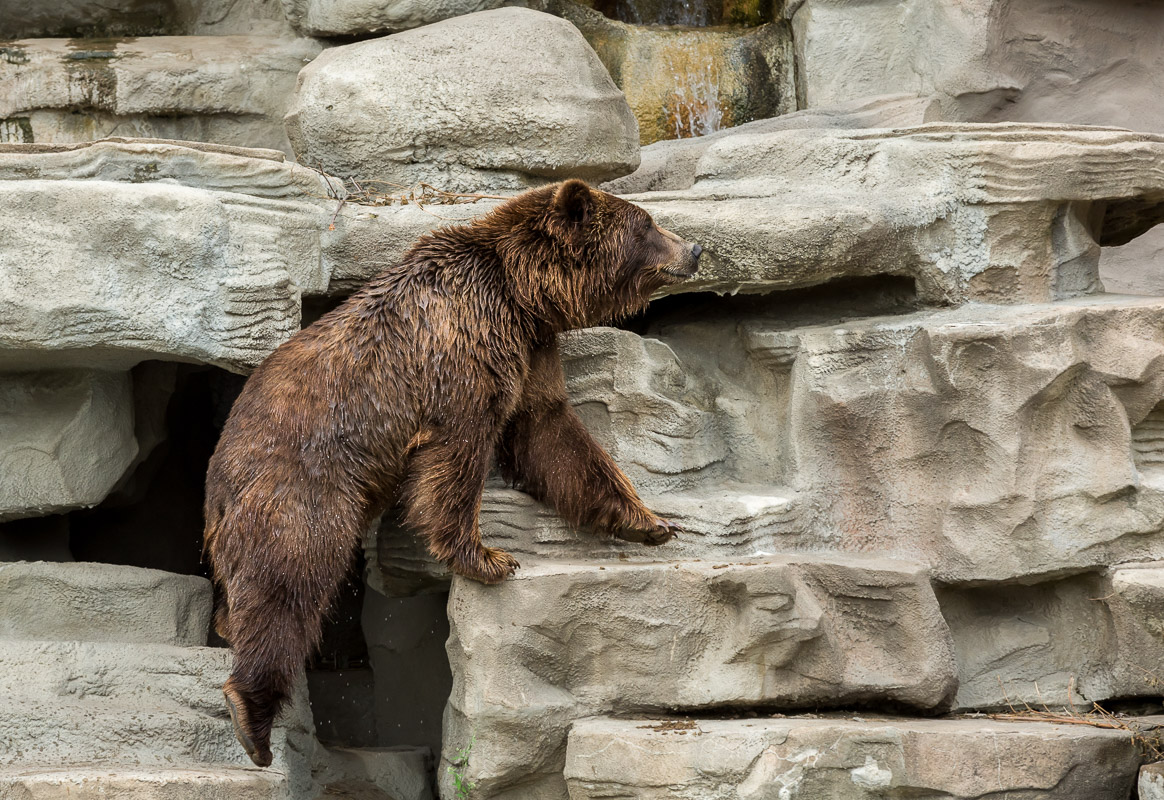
442 500
278 588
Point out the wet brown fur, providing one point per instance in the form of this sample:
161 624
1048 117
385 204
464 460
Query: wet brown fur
407 393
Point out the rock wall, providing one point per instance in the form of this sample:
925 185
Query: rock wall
910 412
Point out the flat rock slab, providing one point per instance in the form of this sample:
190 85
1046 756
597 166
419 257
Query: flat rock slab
89 602
844 759
66 438
227 89
121 251
500 99
1002 213
192 782
152 674
557 643
729 524
1151 782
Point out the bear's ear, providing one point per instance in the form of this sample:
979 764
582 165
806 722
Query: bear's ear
574 201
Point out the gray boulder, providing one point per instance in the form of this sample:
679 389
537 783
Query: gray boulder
497 100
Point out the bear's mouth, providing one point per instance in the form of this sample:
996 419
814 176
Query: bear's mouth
681 272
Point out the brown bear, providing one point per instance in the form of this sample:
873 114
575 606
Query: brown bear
406 394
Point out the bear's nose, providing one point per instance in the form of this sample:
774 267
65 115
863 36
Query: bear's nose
695 251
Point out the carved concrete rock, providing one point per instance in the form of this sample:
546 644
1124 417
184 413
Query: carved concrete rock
358 17
1071 641
1009 213
85 602
672 164
991 443
561 642
227 89
66 438
121 251
500 99
847 759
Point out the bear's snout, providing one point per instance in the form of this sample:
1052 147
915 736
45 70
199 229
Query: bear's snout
695 251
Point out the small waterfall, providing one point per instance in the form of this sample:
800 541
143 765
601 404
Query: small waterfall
692 13
694 108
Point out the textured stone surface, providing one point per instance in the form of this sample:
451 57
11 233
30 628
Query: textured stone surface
356 17
120 251
129 18
845 759
1006 213
996 60
146 673
673 164
499 99
691 636
229 89
1071 641
141 783
88 602
1151 783
66 438
991 443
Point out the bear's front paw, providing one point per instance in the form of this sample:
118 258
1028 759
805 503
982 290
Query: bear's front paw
660 532
488 565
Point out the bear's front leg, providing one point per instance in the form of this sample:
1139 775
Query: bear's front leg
442 500
546 448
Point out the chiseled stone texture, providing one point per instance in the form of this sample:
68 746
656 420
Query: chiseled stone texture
991 443
87 602
847 759
24 19
358 17
66 438
557 643
1064 642
230 90
997 60
501 99
1008 213
673 163
120 251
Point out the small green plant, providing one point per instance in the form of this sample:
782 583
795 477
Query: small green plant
456 769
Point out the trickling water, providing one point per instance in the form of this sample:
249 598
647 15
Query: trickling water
657 12
694 109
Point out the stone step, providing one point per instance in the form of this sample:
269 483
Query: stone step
733 522
847 759
152 674
96 731
132 782
91 602
561 642
226 89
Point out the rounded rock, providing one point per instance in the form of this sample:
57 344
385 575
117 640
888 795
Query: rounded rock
501 99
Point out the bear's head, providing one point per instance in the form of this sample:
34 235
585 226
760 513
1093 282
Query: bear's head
576 257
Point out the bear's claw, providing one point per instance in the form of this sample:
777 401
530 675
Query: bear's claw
239 718
660 532
491 565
